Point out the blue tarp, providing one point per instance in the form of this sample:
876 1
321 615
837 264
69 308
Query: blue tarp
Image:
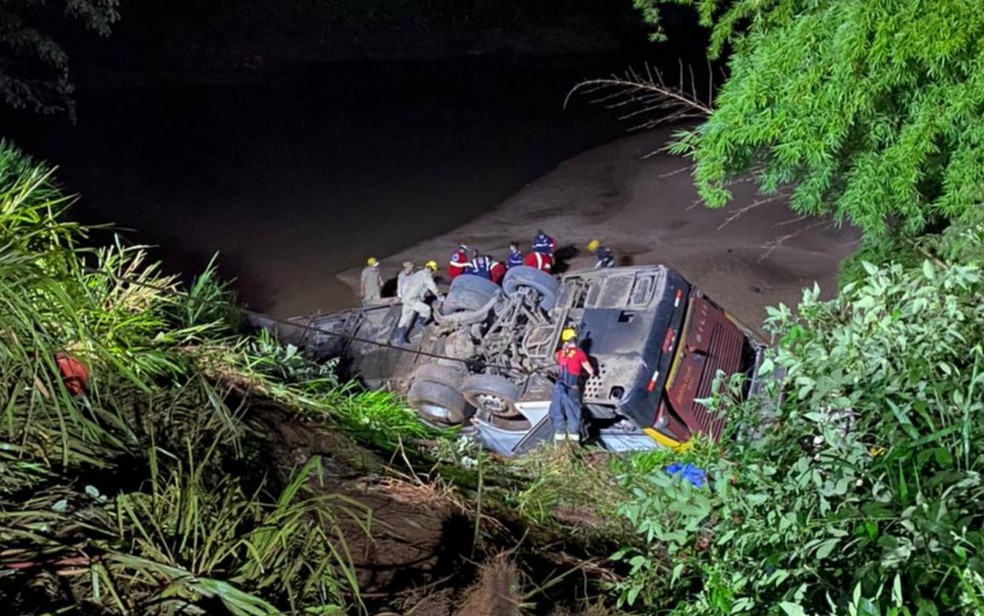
696 476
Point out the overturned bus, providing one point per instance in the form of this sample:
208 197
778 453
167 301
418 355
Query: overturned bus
486 360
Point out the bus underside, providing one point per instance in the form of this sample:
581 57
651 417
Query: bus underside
486 360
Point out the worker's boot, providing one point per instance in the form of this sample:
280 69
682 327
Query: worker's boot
419 322
399 336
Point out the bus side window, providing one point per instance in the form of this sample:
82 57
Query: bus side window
591 297
642 291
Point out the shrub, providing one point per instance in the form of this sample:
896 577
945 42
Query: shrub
863 493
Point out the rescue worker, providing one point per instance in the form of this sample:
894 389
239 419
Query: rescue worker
371 286
470 267
539 260
603 254
543 243
458 264
402 277
481 265
565 401
497 269
515 256
416 312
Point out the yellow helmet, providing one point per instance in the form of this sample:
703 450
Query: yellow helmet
432 265
568 334
372 261
593 245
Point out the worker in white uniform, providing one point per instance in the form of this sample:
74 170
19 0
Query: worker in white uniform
403 277
415 310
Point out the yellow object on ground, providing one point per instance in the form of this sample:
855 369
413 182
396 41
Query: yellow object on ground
666 441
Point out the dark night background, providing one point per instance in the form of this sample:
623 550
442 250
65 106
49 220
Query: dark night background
326 131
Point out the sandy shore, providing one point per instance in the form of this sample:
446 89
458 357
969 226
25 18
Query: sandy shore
646 210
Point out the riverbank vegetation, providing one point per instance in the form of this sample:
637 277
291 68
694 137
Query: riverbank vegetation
157 456
860 493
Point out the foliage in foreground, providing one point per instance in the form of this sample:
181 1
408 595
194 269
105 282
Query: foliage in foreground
872 110
960 242
861 493
138 495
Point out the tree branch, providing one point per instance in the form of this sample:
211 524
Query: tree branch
649 94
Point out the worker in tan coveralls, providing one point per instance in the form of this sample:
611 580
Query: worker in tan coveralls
372 282
416 312
403 277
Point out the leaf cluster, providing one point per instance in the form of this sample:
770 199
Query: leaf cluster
34 69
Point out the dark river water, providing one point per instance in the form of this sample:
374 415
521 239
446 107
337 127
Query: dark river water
294 178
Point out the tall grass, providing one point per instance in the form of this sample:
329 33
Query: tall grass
189 533
132 497
375 418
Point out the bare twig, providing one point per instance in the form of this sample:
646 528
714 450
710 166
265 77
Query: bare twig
682 169
748 178
647 94
775 244
751 206
655 89
791 221
655 152
928 254
401 451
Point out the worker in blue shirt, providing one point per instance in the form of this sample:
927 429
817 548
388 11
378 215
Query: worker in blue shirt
481 265
515 256
543 243
603 254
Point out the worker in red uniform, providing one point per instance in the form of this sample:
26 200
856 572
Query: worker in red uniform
497 269
458 264
539 260
565 401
